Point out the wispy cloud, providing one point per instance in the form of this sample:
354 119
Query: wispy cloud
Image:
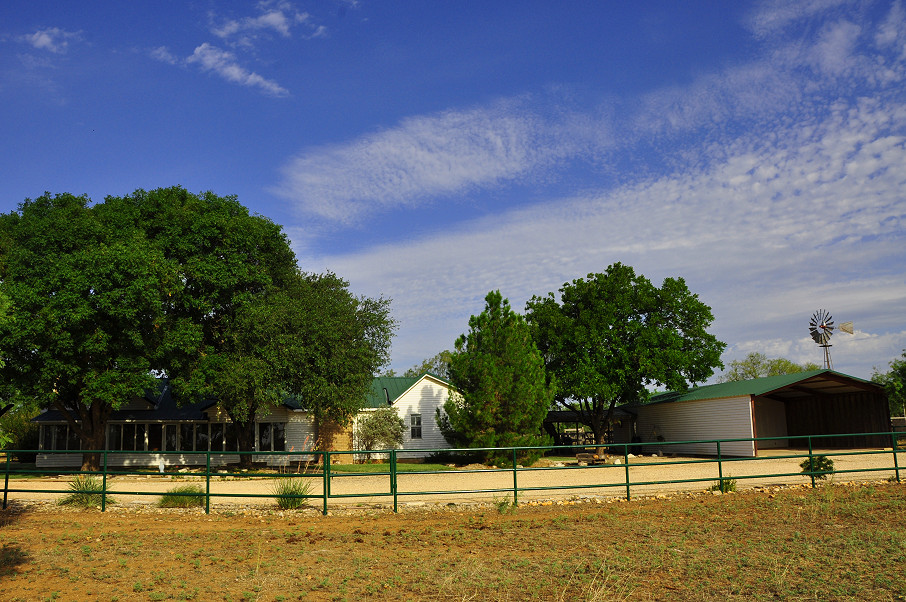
278 17
52 39
782 193
224 64
434 155
764 236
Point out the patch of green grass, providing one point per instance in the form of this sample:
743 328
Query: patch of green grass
183 496
724 486
385 467
86 491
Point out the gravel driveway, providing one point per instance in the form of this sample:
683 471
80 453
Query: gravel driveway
648 476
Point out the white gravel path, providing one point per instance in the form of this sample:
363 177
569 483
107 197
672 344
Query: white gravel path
464 486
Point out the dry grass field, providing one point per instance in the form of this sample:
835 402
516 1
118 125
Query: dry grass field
833 543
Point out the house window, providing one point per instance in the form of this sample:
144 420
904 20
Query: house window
55 437
217 430
114 436
171 436
155 437
271 436
201 437
186 436
415 424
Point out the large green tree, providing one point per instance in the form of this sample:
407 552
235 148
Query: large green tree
613 335
758 365
500 395
312 340
88 296
438 365
169 282
894 381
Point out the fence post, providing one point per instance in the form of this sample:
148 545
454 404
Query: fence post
393 479
207 486
896 464
6 481
720 469
326 457
626 464
104 485
515 484
811 462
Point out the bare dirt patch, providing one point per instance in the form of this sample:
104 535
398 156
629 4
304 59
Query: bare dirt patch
832 543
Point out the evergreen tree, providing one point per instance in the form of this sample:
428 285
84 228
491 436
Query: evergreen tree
500 396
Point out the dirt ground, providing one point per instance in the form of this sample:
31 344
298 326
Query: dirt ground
781 543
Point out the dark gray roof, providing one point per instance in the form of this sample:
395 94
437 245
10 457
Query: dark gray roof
161 407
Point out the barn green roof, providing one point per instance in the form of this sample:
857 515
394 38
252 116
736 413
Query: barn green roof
759 386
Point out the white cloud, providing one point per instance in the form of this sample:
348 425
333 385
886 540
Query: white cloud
275 17
52 39
224 64
766 237
773 17
802 209
163 54
436 155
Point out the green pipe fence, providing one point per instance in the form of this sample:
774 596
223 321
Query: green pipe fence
320 466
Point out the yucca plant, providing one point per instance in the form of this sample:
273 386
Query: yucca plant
86 491
291 493
184 496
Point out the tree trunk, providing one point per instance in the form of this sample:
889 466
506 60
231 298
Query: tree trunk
90 424
245 433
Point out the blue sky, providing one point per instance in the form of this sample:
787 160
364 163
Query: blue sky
432 151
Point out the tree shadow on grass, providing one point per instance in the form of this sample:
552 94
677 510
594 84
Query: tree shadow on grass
11 557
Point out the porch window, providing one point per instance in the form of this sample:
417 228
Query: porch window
201 437
114 437
186 436
155 437
217 430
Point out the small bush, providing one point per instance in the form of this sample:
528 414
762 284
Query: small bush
504 505
184 496
86 492
817 466
725 486
285 490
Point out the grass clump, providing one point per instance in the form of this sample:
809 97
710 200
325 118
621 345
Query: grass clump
86 491
291 493
184 496
724 486
817 467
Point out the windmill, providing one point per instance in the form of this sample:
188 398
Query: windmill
821 327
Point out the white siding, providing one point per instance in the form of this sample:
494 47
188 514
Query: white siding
423 398
729 418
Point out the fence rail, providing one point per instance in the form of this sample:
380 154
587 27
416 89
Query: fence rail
625 463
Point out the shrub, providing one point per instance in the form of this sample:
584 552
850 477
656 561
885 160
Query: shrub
381 429
291 493
86 492
184 496
724 486
817 467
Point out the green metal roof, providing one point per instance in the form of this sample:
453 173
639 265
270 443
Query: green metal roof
756 386
395 386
